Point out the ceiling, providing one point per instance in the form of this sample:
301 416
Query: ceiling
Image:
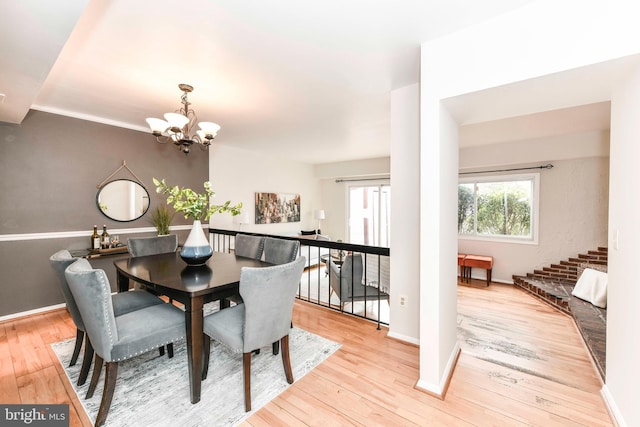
309 81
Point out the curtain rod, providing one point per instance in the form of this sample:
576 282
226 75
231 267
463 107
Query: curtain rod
547 166
361 179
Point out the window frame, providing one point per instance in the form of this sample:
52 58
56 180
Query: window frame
535 207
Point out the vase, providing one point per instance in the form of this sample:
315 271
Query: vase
196 250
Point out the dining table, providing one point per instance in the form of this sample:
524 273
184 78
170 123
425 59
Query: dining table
193 286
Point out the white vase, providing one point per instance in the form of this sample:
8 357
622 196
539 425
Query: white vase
196 250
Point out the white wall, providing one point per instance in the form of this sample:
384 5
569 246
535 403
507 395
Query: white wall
557 147
405 213
438 237
361 168
333 194
244 173
335 208
513 48
573 210
623 346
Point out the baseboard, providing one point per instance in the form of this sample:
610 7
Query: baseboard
404 338
31 312
440 390
614 412
484 279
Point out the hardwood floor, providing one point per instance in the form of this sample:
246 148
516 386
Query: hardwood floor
522 363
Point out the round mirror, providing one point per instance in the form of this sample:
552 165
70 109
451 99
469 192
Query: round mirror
123 200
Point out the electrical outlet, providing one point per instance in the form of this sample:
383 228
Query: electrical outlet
403 300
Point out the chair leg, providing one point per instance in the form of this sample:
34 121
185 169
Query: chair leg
275 348
76 349
170 350
246 373
286 360
97 368
161 350
111 374
86 361
206 349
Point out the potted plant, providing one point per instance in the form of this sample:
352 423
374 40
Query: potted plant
161 218
197 206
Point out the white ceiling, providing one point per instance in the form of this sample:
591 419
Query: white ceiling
306 80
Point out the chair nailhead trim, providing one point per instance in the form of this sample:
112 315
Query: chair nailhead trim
106 295
145 350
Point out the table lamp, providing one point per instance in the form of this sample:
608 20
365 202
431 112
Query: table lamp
319 215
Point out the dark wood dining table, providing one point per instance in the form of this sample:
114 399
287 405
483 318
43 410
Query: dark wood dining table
169 275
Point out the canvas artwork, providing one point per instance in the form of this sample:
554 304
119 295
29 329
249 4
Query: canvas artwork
277 207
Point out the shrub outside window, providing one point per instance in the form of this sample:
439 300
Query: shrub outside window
501 207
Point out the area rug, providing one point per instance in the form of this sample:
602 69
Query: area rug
153 390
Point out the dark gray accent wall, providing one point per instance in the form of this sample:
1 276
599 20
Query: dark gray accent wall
49 168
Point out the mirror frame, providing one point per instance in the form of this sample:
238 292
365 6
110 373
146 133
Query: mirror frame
123 220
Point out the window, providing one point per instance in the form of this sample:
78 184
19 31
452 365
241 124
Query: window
501 207
369 209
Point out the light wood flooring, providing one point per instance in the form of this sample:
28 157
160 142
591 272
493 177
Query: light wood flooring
522 363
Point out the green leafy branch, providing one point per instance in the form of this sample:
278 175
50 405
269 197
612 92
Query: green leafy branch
194 205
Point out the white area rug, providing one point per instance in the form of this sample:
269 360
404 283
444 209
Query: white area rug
153 390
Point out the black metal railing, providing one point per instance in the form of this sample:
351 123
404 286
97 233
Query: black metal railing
317 285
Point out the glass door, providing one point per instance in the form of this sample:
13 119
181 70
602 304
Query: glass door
369 214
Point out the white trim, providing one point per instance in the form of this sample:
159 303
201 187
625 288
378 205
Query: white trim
439 389
484 279
499 239
91 118
31 312
83 233
404 338
614 411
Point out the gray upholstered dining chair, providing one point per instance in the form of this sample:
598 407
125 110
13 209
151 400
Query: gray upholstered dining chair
280 251
116 339
346 281
265 317
249 246
123 303
143 246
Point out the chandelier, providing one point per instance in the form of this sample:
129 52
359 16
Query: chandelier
178 127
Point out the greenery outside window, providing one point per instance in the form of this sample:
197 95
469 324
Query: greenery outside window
503 208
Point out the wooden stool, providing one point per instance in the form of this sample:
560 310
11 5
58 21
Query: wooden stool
463 269
478 261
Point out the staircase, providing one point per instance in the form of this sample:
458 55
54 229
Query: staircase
554 285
